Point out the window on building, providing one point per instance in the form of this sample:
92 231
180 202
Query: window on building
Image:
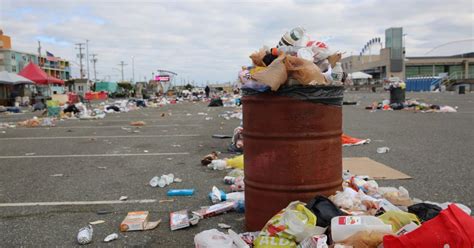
13 56
24 57
13 68
80 88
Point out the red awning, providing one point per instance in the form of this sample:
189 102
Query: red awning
34 73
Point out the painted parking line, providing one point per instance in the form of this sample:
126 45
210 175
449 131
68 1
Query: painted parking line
96 155
128 119
102 137
114 126
72 203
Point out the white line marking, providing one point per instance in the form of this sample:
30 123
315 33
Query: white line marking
102 137
32 204
129 120
100 126
97 155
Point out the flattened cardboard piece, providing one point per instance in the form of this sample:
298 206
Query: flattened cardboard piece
373 169
152 224
138 221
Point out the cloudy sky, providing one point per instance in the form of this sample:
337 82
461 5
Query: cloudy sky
209 40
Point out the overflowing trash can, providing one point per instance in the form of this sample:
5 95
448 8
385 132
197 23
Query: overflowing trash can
292 148
397 95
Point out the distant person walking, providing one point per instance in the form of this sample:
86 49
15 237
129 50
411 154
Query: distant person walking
207 90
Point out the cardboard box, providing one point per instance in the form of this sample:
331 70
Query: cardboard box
215 209
179 220
138 221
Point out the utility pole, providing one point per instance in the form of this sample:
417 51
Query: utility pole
133 69
39 52
94 60
122 64
87 59
81 71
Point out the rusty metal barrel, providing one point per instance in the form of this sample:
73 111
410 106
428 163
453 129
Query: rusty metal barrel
292 151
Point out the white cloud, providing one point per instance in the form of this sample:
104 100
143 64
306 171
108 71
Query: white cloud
210 40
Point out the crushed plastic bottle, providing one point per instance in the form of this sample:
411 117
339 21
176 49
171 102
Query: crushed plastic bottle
84 236
168 178
154 181
161 182
217 164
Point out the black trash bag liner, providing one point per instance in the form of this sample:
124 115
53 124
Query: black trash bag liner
396 106
114 108
331 95
424 211
324 209
215 102
71 108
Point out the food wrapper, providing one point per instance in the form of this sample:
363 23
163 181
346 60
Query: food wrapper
291 225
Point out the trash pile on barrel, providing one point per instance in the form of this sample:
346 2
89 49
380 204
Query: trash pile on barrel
295 60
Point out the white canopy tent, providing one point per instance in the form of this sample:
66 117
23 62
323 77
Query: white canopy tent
13 79
359 75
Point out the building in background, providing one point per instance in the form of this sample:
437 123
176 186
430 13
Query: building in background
5 41
79 86
391 62
14 61
55 66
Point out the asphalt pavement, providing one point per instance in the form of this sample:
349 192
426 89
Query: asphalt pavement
102 160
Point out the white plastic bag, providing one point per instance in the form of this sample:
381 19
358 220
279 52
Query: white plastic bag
213 239
347 199
320 49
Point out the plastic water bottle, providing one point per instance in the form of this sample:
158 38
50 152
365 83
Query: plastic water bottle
291 37
85 235
337 73
342 227
154 181
217 164
240 206
180 192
